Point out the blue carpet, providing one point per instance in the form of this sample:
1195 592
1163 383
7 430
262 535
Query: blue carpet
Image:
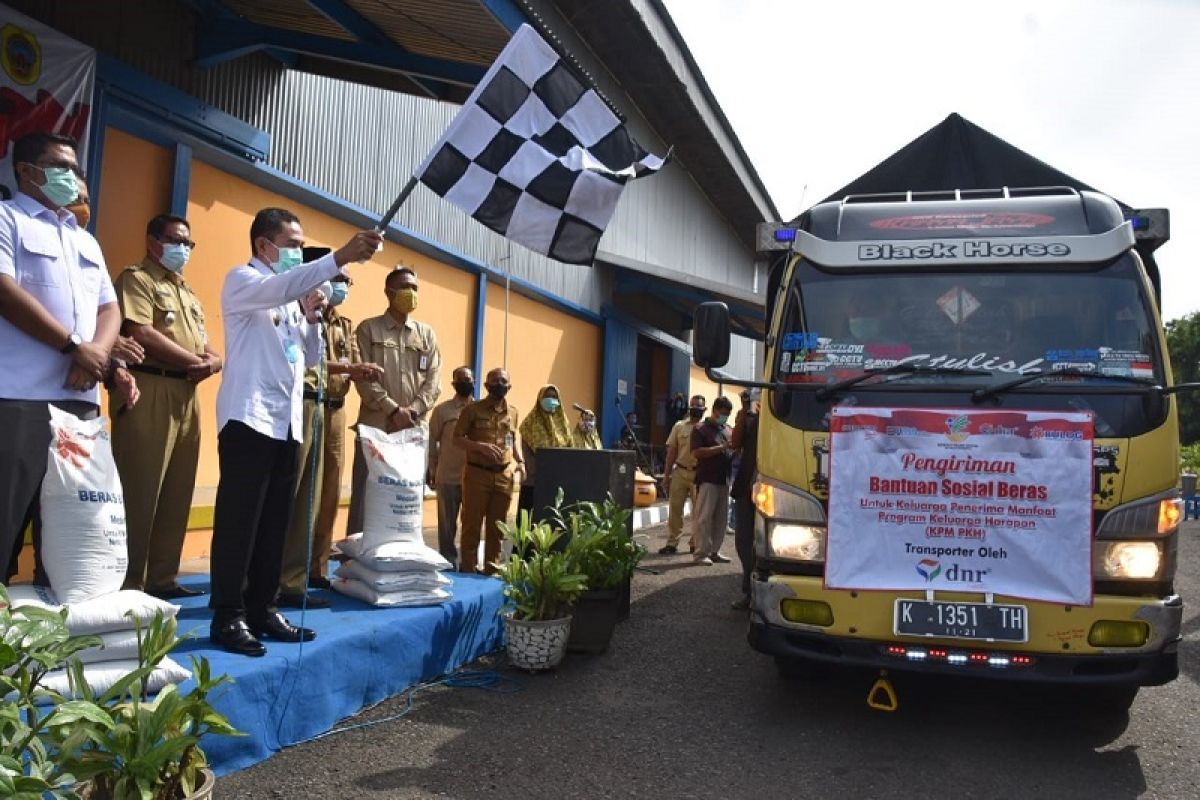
361 655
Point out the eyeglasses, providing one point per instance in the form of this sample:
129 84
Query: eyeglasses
176 240
61 165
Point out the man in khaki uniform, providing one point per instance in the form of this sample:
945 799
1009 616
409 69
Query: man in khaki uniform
407 350
329 383
680 473
156 443
487 432
446 460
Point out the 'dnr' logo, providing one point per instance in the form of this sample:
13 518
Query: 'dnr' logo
956 429
20 54
929 569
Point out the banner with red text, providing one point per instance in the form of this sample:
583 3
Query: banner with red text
961 500
46 83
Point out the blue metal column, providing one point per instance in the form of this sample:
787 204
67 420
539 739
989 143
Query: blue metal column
618 372
96 149
480 315
181 180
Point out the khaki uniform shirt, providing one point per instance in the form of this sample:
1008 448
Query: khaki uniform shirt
150 294
341 346
411 365
448 456
491 422
681 438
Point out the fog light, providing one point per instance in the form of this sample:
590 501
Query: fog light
801 542
1118 633
1132 560
809 612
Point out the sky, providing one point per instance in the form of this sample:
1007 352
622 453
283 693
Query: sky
1104 90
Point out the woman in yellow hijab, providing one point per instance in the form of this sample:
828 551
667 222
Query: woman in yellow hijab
544 426
585 436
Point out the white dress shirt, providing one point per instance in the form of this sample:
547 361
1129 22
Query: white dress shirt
61 265
260 386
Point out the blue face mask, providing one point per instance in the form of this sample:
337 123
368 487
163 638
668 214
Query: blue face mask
288 257
340 291
61 186
175 256
724 418
550 404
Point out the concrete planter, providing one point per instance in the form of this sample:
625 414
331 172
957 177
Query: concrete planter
536 645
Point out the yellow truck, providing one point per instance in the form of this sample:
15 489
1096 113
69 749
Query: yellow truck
968 309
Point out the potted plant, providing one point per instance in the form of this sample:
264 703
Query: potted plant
540 587
116 745
601 549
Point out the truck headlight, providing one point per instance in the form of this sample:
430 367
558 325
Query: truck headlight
1130 560
799 542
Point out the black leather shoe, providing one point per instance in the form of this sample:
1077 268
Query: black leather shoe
319 582
235 636
298 601
175 592
275 626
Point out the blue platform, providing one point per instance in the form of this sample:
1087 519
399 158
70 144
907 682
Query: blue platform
361 655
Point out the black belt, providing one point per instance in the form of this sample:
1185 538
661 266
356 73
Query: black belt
489 467
162 373
332 402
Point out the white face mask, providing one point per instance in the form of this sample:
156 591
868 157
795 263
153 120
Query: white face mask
175 256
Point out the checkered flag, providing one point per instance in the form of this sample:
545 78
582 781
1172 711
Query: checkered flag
536 155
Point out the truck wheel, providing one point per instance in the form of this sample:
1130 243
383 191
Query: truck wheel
795 669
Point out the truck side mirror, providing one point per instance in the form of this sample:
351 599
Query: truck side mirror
710 335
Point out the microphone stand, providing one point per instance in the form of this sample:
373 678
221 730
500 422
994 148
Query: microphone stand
637 449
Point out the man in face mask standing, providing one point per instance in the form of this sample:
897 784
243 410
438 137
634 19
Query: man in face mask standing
487 431
408 352
680 473
446 460
712 446
156 444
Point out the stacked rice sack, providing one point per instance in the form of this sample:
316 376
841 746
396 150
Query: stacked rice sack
390 565
84 553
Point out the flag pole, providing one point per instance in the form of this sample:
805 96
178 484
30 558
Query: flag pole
391 212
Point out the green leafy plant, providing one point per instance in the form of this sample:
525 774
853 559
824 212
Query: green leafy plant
599 546
539 581
116 745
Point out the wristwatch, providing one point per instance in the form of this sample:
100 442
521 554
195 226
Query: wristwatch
73 341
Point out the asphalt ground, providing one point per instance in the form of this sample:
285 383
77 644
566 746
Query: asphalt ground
680 706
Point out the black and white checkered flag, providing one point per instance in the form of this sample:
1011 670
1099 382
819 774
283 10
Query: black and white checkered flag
536 155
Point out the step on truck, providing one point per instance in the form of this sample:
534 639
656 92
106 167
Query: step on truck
968 450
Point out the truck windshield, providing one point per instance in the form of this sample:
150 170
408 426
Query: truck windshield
985 327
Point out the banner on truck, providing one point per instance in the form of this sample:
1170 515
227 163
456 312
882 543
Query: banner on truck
961 500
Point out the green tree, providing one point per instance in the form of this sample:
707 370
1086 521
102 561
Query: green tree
1183 342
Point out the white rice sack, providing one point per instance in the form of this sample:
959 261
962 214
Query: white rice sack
416 597
114 646
100 614
83 511
392 581
395 486
394 556
103 675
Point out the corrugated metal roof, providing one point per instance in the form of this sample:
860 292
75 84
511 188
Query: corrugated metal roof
292 15
458 30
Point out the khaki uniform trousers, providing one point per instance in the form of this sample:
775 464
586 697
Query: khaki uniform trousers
156 445
680 490
293 578
486 497
333 457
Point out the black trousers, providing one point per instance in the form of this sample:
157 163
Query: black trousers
743 536
250 521
24 444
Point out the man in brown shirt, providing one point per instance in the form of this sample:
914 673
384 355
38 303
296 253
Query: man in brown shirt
408 352
487 432
446 460
156 444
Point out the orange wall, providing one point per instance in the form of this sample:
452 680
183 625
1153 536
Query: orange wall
135 186
544 346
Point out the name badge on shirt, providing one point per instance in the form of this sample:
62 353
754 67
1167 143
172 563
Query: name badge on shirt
423 363
291 350
508 441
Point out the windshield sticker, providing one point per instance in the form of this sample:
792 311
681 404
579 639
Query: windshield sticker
1129 363
800 340
983 220
958 304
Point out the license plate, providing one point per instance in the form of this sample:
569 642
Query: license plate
962 620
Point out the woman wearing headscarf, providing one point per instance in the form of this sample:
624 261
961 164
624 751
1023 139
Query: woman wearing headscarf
584 435
544 426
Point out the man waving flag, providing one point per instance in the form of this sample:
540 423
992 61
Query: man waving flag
536 154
